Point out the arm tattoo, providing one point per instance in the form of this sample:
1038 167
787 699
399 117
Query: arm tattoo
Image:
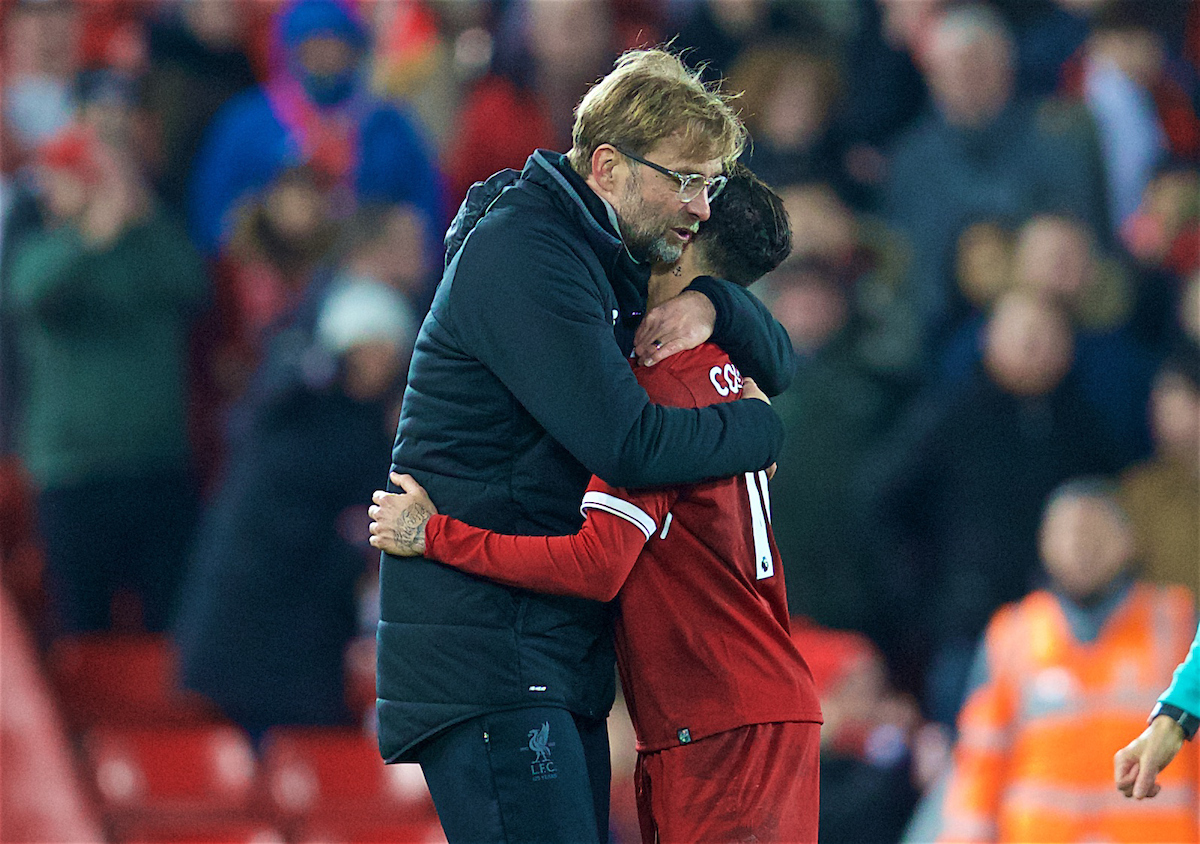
409 528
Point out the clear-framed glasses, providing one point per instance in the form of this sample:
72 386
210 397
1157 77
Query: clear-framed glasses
690 184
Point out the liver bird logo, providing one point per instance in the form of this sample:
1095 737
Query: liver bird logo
539 742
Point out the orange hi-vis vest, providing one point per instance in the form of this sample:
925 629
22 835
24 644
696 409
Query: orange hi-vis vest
1033 762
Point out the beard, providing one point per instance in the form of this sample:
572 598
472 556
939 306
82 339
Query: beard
647 234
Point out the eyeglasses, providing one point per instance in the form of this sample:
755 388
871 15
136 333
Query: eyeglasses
690 184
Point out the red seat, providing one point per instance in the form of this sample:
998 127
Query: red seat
123 679
336 775
172 775
229 832
415 832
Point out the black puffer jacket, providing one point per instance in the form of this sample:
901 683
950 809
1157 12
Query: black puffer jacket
520 389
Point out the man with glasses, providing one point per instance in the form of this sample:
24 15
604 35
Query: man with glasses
520 389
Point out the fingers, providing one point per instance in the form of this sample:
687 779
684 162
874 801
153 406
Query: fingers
664 350
406 482
647 347
680 323
1145 786
1125 771
669 340
649 327
648 333
751 390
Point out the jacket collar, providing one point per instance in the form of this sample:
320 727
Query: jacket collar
598 222
583 211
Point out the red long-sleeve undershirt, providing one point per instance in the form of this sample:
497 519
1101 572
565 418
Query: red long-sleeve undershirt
593 563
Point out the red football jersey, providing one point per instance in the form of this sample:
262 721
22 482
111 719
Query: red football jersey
702 635
703 641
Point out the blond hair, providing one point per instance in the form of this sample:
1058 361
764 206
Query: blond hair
650 96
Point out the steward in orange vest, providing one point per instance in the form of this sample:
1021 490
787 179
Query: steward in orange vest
1063 677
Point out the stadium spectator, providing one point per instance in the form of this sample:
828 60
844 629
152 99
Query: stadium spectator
840 300
280 239
982 153
41 53
1164 232
957 492
270 605
1162 493
315 111
713 33
103 300
983 262
1163 236
20 217
546 53
790 90
1055 258
1124 60
883 94
412 62
1057 674
877 756
197 62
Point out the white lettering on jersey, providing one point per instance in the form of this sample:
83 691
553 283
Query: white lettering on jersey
666 526
729 375
760 517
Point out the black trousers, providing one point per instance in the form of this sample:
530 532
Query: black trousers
535 776
111 533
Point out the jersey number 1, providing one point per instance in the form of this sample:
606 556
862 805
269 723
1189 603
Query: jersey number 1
760 517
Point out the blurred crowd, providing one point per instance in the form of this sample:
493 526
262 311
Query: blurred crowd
221 227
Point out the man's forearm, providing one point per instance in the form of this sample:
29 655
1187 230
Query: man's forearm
671 445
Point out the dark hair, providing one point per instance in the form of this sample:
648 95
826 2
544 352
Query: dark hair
749 233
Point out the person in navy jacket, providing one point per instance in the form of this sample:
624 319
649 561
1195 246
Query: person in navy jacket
315 110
